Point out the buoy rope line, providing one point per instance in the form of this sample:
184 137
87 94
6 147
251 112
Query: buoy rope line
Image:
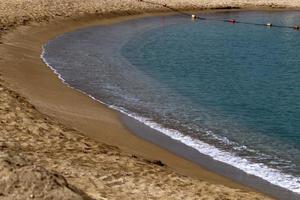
233 21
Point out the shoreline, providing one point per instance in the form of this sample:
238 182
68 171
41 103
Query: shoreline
25 43
207 162
156 137
62 108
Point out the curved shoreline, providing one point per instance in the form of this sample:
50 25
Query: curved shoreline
168 142
53 98
57 102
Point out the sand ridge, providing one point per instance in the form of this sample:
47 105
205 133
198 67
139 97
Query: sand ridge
21 179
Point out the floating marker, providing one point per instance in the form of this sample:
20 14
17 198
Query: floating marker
193 16
232 21
296 27
269 24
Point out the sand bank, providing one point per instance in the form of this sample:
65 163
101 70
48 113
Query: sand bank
49 134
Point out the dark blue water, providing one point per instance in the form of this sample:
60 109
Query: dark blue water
232 86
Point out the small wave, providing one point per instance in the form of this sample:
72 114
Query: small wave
271 175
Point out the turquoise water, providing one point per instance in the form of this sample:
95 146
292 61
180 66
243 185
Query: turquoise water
247 77
234 87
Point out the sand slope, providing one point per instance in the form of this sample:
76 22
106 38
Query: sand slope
21 179
100 170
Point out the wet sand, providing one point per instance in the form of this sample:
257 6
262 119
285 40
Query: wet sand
64 131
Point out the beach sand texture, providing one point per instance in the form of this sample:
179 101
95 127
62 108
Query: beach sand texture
42 146
14 12
31 142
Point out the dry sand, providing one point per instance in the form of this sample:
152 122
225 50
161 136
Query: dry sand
65 131
14 12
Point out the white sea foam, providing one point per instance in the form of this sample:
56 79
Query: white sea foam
271 175
261 170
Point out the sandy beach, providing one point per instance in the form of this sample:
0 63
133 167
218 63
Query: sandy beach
65 145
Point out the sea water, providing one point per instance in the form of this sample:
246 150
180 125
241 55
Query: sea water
231 91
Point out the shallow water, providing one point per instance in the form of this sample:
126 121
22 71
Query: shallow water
229 91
